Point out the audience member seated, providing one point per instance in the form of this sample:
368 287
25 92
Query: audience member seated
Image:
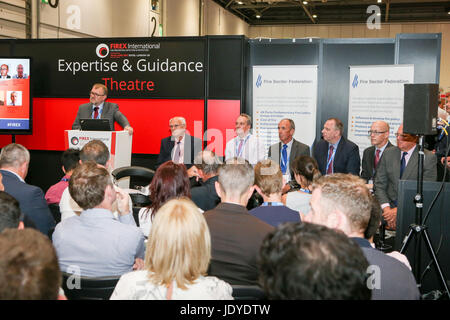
269 183
304 261
177 257
70 159
236 235
205 195
94 244
374 225
170 181
343 202
28 266
14 163
9 212
96 151
306 171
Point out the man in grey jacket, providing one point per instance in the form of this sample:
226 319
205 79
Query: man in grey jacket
98 108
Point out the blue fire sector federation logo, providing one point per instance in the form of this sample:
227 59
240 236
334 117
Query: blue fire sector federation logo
102 50
355 81
259 81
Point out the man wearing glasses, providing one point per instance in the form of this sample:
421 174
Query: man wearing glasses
180 147
400 163
98 108
379 138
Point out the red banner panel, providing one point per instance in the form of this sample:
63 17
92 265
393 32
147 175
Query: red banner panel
148 117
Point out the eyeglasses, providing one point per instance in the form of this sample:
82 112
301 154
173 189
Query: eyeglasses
370 132
403 136
96 94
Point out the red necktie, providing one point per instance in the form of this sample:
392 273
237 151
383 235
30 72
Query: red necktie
377 158
95 112
330 163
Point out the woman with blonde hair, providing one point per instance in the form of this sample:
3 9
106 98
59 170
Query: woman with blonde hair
177 258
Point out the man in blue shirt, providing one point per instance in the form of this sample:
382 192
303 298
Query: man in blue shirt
94 244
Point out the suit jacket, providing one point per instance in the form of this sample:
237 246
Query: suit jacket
388 172
31 200
346 159
205 196
192 146
395 280
236 237
368 160
297 149
110 111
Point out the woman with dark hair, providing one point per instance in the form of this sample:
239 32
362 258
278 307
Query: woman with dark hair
170 181
306 171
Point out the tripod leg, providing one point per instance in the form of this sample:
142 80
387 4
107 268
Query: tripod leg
436 262
406 241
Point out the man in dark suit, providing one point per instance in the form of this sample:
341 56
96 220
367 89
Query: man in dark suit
343 202
379 138
236 235
390 171
180 147
285 151
335 154
98 108
205 195
14 162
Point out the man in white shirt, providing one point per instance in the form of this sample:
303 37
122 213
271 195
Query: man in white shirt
245 145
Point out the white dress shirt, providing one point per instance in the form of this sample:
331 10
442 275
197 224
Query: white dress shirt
253 149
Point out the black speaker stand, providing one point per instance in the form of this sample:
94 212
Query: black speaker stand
418 228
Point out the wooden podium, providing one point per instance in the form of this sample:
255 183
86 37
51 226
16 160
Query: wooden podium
118 142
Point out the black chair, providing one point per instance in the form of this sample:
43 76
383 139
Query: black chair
89 288
244 292
139 176
54 209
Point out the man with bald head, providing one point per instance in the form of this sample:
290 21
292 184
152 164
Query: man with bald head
285 151
379 138
397 163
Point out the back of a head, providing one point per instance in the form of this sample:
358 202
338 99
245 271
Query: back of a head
170 181
95 150
349 194
375 219
268 177
208 162
9 211
236 177
88 183
307 167
70 159
179 245
29 267
14 155
311 262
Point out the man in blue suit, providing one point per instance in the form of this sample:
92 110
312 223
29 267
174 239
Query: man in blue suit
335 154
14 162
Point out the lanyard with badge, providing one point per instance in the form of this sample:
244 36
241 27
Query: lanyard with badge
239 153
331 158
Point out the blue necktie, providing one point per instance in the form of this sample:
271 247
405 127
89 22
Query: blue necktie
283 164
403 164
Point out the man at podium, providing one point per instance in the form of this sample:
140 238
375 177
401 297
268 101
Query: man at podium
99 109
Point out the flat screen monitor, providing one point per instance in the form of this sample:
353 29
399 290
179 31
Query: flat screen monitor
89 124
15 95
438 224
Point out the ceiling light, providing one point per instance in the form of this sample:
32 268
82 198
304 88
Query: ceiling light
314 15
378 14
305 2
239 2
379 1
258 16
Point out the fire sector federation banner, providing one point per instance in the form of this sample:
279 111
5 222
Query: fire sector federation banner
130 67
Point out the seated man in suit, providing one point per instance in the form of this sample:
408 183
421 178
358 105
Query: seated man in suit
335 154
236 235
285 151
343 202
14 163
98 108
95 244
397 163
379 138
205 195
180 147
